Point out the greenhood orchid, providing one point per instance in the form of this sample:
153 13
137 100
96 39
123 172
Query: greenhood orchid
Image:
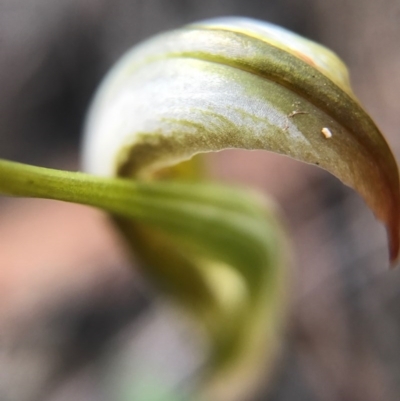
217 251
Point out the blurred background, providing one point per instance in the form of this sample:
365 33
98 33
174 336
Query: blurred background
76 320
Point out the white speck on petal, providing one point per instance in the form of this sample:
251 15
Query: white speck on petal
326 132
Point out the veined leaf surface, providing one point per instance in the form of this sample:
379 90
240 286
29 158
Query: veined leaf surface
235 83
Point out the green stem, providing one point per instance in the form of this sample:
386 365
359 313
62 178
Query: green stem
222 221
17 179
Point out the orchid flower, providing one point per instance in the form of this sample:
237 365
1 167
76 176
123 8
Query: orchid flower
218 252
